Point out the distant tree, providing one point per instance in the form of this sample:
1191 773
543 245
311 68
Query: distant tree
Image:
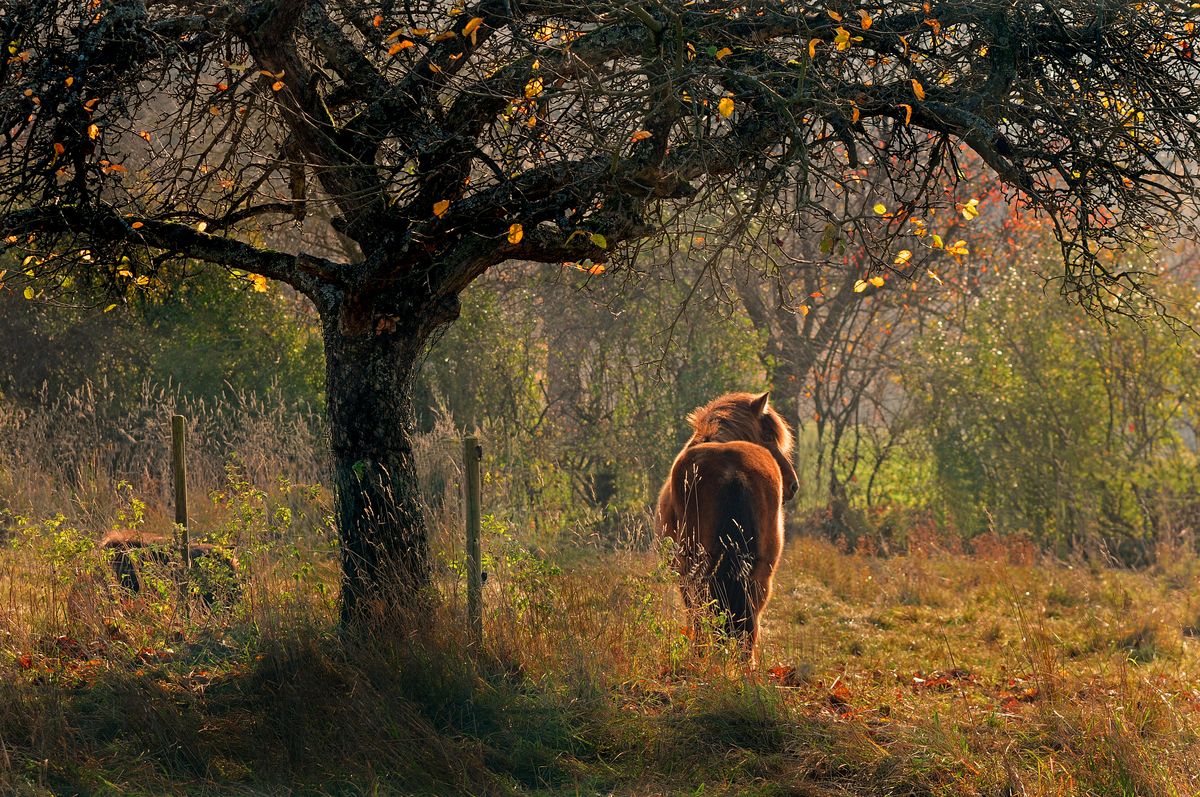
440 138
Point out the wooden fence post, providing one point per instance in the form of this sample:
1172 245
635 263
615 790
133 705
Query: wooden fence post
472 455
179 469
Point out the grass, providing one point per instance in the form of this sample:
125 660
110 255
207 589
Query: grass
917 674
926 673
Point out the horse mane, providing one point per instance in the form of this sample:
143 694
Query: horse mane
740 416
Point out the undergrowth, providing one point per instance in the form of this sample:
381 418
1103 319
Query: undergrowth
928 672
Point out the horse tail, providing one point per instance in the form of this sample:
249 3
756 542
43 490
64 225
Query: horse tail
733 558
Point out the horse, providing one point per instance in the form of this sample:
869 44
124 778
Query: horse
722 505
130 550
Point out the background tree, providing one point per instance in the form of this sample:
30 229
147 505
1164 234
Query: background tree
445 138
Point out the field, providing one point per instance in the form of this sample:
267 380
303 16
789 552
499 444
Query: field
933 672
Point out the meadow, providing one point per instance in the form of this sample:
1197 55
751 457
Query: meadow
941 669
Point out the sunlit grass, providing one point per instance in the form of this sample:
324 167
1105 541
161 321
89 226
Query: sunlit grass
938 671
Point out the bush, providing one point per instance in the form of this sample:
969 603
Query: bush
1041 420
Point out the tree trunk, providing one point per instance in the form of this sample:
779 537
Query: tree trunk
372 358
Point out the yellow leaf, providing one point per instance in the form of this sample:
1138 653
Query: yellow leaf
842 39
880 208
533 88
420 31
937 241
907 113
936 278
445 36
860 286
805 309
515 233
864 19
958 248
202 226
440 207
812 47
834 15
110 308
125 273
28 293
725 106
724 51
472 25
142 280
259 282
918 89
902 257
970 210
93 132
599 240
640 135
877 281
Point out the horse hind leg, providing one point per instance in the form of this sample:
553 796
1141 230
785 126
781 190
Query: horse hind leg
735 595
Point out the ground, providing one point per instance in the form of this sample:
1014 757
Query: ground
1000 672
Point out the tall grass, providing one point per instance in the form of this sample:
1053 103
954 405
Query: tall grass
926 672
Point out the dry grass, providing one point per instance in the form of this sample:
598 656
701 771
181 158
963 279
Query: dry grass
930 673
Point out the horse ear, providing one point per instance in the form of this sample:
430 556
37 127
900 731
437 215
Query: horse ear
760 405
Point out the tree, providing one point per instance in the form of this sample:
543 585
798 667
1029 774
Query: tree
446 137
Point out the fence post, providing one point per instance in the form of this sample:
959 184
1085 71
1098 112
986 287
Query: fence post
179 469
472 454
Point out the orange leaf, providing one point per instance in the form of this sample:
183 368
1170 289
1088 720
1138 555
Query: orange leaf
515 234
640 135
907 112
918 89
440 207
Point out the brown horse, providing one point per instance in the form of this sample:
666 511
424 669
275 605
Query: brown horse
723 506
215 569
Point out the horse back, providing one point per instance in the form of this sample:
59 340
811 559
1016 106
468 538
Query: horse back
725 490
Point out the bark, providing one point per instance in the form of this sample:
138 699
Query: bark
374 343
